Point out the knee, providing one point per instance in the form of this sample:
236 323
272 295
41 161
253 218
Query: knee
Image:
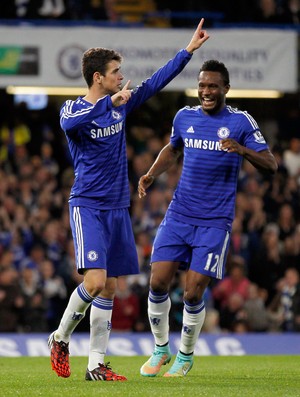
94 287
193 295
191 298
94 281
109 290
158 285
195 287
95 290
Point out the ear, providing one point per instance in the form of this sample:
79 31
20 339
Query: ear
97 77
227 88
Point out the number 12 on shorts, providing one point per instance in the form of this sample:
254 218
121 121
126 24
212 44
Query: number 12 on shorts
212 262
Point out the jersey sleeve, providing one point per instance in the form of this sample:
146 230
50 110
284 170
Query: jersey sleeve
158 80
252 137
175 138
72 115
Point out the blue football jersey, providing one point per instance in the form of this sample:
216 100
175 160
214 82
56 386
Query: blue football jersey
206 191
97 142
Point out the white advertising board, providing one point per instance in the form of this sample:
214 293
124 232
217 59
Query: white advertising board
51 56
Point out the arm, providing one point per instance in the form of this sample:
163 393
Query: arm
264 161
166 158
168 72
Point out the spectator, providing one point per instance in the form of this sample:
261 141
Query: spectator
239 326
232 312
239 242
55 292
212 322
126 307
269 13
33 313
47 158
284 308
235 283
11 300
286 221
291 157
266 266
291 11
256 313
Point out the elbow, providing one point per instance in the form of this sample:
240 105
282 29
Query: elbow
271 170
273 166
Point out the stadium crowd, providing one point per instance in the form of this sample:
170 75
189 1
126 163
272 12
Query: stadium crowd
159 13
261 292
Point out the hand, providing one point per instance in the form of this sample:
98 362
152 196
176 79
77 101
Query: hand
231 146
121 97
199 37
144 182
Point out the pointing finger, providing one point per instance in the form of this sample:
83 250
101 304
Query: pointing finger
126 85
200 24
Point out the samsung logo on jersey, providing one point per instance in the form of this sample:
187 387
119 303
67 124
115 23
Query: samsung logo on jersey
202 144
107 131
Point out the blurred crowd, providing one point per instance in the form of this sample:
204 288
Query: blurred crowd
158 13
261 292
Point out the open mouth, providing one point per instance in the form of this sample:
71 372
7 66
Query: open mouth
207 101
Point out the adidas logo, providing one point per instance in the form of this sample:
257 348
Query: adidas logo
191 129
94 122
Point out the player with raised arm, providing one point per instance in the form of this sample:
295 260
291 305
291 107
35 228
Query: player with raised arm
103 238
194 234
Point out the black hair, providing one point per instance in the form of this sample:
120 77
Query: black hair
216 66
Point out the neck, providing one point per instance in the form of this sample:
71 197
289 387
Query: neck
94 93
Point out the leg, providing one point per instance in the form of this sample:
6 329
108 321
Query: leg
81 298
209 250
193 319
194 310
162 274
100 321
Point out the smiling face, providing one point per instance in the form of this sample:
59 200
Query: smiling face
212 91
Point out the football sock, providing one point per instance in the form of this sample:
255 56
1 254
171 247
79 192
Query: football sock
100 323
159 305
193 319
79 301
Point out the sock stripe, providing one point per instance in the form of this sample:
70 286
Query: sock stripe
103 303
155 297
84 295
194 308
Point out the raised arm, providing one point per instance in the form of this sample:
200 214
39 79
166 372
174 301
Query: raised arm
168 72
166 158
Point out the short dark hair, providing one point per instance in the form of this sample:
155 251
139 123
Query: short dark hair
215 66
96 60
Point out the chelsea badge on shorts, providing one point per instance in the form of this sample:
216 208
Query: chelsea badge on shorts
92 256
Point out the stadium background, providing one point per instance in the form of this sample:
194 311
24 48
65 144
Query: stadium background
36 250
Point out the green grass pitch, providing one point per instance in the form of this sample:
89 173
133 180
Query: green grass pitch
211 376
